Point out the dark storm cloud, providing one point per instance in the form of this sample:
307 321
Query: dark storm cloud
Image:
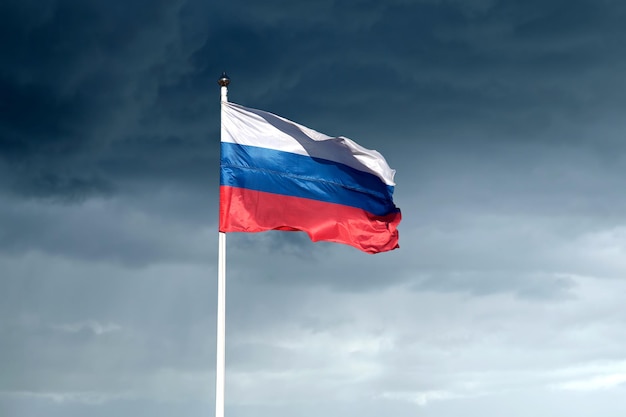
505 63
78 76
60 76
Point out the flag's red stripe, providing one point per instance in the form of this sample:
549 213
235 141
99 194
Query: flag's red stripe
243 210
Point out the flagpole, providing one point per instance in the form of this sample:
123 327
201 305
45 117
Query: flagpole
220 366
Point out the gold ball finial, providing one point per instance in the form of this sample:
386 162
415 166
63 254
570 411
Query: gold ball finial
224 80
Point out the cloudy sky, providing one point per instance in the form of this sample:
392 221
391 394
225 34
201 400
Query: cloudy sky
504 120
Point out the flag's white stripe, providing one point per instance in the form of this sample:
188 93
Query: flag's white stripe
253 127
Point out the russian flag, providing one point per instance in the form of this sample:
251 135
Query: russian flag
278 175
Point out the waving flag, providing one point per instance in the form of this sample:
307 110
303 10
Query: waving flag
278 175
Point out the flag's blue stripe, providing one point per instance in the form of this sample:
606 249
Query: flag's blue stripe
296 175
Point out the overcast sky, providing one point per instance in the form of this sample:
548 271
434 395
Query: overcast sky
504 120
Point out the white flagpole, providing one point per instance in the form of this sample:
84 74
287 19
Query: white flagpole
220 366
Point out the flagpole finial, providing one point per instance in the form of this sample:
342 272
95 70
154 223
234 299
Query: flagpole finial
224 80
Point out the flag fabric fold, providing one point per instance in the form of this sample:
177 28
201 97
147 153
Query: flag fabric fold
278 175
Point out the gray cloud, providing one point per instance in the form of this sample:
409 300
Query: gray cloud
502 118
